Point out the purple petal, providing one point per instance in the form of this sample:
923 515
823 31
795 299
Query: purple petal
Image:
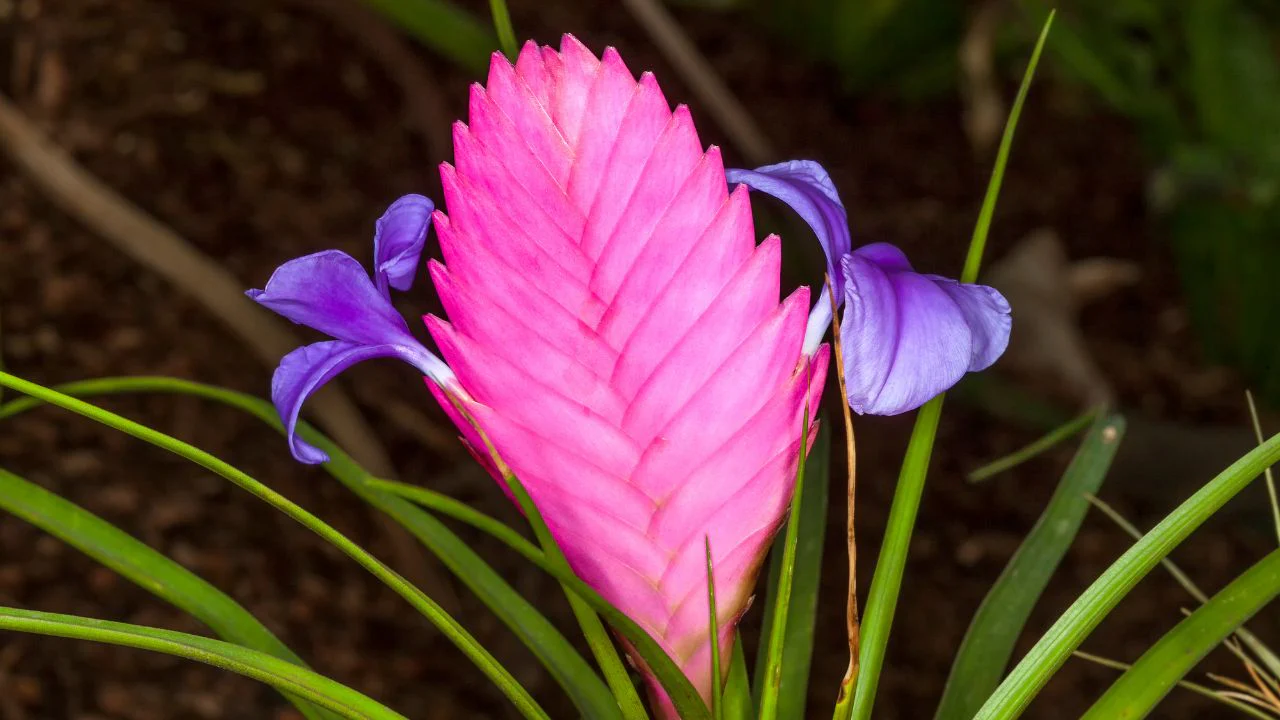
330 292
807 188
306 369
398 242
908 337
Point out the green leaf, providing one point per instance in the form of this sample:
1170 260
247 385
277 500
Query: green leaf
717 687
973 261
443 27
771 683
738 704
1035 448
144 567
1259 648
1055 646
427 607
1139 689
283 675
551 648
1208 692
506 33
460 511
987 646
886 582
615 674
797 646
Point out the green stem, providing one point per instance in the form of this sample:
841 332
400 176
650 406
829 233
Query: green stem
520 697
886 583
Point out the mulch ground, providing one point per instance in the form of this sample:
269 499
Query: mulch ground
261 131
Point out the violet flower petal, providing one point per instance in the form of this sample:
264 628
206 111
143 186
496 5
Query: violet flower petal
908 336
331 292
807 188
305 370
398 242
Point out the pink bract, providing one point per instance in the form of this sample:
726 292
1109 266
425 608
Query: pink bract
616 332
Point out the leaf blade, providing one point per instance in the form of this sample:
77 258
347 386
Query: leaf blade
1017 690
989 642
1141 687
281 674
146 568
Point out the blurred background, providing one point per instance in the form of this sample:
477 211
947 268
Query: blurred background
161 155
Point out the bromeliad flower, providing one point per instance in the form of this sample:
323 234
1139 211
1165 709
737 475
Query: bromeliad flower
615 332
906 336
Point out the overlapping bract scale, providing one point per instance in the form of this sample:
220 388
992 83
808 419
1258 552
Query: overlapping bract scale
619 337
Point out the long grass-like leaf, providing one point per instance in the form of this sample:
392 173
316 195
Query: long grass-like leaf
506 32
987 646
973 260
738 704
283 675
771 683
717 686
1140 688
1055 646
146 568
882 599
1259 648
602 647
427 607
551 648
1034 448
1193 687
887 580
798 638
444 27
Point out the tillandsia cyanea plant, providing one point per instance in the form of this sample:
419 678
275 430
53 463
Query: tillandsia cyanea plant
615 337
616 353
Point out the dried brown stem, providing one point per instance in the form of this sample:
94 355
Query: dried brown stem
853 628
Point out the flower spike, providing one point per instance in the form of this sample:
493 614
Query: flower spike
331 292
906 337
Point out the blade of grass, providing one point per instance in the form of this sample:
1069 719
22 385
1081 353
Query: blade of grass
506 32
1055 646
887 579
460 511
877 620
283 675
443 27
602 647
1035 448
146 568
1144 685
988 644
1271 480
771 683
427 607
737 689
978 244
1193 687
1259 648
717 689
551 648
797 646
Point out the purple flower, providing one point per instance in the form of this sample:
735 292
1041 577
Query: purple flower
331 292
906 336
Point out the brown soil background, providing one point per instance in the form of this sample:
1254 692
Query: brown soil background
259 131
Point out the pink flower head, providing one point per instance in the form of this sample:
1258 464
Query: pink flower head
615 332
